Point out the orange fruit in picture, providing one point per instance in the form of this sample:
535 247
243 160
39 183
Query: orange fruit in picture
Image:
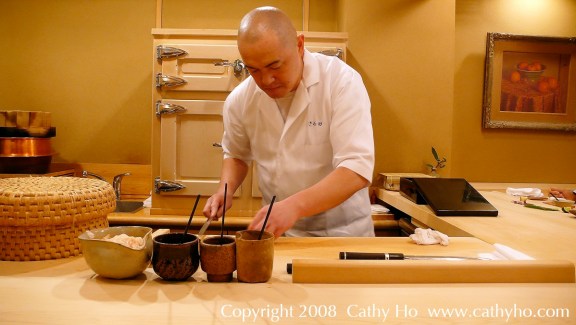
537 66
552 83
543 86
523 65
515 76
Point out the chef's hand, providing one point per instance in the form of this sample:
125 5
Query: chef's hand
214 204
282 217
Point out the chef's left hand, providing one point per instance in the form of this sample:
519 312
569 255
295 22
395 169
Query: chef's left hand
282 217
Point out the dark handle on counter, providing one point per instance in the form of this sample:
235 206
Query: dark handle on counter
370 256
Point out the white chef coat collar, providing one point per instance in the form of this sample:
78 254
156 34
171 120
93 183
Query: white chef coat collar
311 73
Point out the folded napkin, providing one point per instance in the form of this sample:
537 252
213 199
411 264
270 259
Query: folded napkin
526 191
379 209
429 237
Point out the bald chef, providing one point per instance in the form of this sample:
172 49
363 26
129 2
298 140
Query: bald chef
304 119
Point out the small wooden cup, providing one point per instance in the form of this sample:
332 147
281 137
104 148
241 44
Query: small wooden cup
254 258
175 256
218 257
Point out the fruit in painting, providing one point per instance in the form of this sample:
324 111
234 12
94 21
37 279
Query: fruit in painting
515 76
523 65
543 86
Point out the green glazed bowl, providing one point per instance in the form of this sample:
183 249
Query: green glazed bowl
113 260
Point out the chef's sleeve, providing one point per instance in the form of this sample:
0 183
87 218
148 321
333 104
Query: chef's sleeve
351 130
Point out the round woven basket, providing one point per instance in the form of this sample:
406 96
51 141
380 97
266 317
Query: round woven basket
42 217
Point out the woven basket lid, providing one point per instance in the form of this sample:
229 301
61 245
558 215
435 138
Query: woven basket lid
35 201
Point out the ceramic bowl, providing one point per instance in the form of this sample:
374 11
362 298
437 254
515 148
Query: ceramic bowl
531 74
116 260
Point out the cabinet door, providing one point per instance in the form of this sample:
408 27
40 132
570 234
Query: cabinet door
190 150
200 67
255 188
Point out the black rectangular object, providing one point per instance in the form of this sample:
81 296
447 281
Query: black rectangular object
447 196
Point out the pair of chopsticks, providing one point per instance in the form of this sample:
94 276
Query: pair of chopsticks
224 214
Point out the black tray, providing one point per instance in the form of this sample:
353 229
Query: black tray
14 132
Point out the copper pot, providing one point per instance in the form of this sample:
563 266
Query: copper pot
25 155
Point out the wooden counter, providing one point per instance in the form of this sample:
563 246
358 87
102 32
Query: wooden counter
66 291
540 234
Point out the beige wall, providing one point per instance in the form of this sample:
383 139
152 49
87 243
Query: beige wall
405 52
505 155
90 63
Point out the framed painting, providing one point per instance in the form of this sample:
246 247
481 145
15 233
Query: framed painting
530 82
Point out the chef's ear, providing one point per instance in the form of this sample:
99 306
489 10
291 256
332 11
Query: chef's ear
300 44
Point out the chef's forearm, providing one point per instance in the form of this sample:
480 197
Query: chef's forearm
233 173
334 189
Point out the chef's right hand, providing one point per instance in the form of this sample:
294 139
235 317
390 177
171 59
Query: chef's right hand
213 207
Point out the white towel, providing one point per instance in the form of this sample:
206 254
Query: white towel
526 191
504 252
379 209
429 237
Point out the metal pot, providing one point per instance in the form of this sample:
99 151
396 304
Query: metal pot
25 155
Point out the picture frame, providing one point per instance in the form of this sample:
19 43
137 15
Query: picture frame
530 82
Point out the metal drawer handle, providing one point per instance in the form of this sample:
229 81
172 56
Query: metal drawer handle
333 52
168 81
167 108
217 145
166 186
238 65
165 52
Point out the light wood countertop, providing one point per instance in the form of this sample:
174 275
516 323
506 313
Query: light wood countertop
540 234
66 291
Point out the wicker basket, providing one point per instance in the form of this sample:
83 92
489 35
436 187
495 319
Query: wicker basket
42 217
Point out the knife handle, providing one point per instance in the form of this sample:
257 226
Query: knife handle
370 256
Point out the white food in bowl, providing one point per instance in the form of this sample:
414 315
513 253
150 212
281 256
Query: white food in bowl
115 260
122 239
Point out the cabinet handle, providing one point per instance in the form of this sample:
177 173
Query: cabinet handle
217 145
334 52
168 81
166 186
238 66
167 108
165 52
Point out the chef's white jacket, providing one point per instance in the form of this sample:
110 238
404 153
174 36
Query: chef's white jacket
328 126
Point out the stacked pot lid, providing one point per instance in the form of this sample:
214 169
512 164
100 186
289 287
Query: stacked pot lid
25 146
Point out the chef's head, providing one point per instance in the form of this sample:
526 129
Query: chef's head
271 50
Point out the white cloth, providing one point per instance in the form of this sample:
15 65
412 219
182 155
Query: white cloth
379 209
504 252
328 126
526 191
429 237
